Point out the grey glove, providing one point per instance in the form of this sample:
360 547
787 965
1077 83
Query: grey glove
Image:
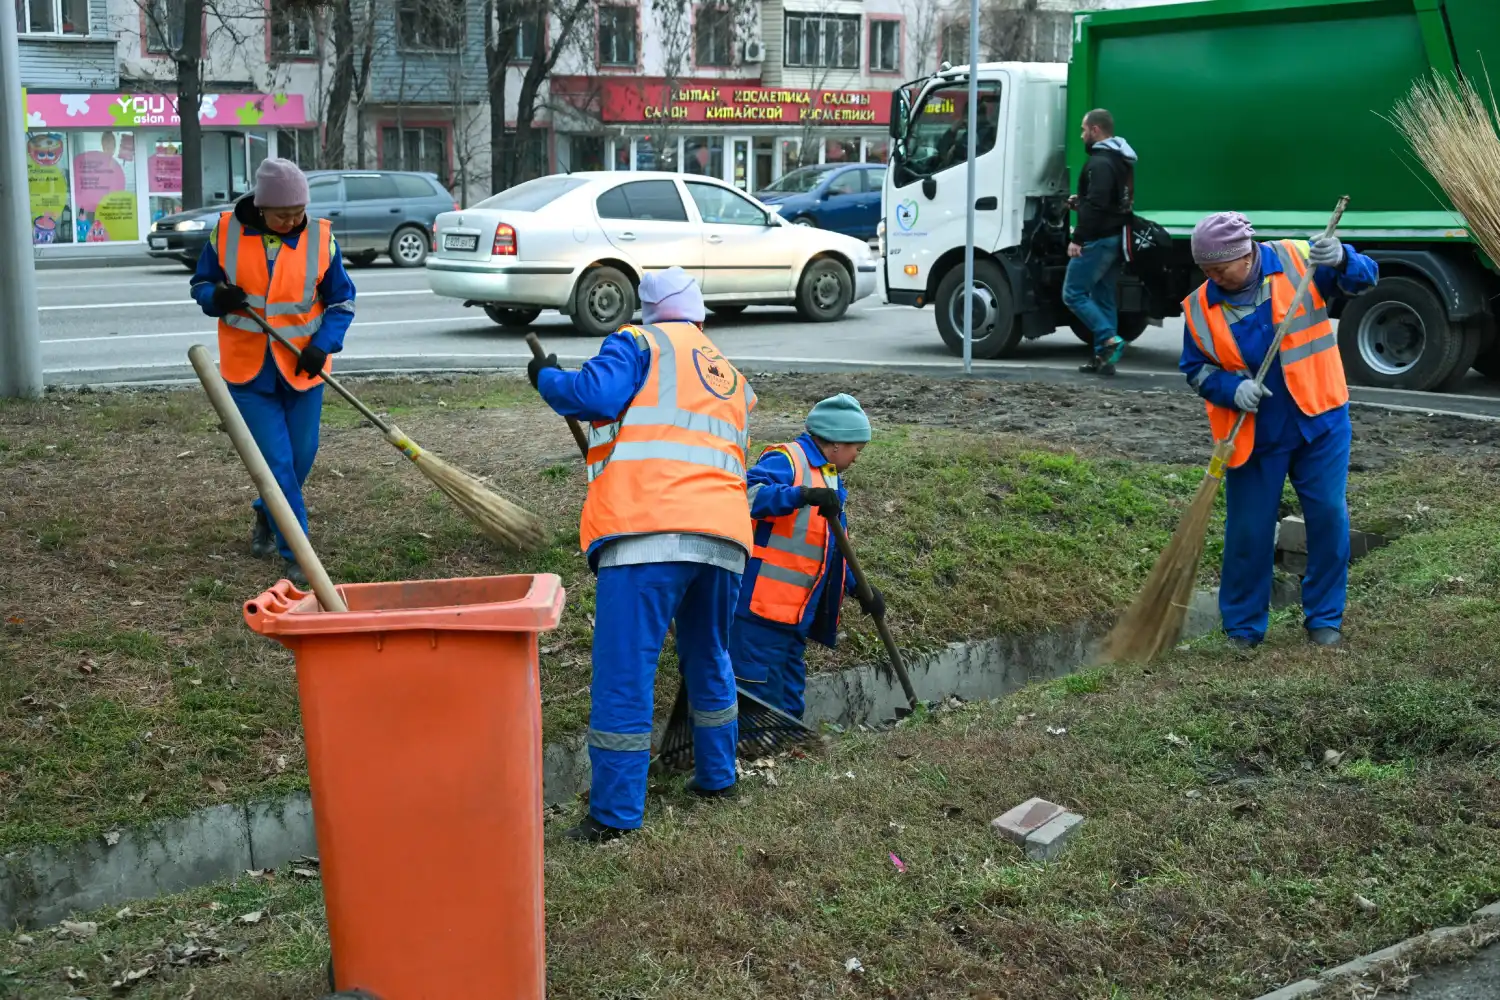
1247 395
1326 251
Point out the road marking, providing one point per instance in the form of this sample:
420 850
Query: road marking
154 283
189 302
111 338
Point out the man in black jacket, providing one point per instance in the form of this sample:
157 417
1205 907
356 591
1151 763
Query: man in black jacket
1106 189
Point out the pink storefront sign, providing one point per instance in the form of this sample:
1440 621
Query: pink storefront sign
121 111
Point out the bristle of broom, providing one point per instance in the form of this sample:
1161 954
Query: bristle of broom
496 517
1155 619
1452 129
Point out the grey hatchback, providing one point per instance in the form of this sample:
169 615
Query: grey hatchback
373 212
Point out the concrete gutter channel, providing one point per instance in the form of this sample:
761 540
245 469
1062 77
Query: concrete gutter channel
45 885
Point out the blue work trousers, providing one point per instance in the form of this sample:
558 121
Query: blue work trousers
1319 471
1089 289
285 425
769 662
634 605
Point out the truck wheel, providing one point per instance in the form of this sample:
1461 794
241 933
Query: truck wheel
1397 336
1488 364
603 301
1473 333
512 319
825 291
996 332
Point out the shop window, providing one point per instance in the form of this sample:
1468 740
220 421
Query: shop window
703 155
300 145
713 37
723 207
643 201
422 149
841 151
656 153
796 153
165 24
617 36
824 41
48 182
104 192
52 17
164 175
878 150
430 25
586 152
953 44
294 32
885 46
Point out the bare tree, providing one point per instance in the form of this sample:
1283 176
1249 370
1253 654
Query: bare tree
353 53
924 20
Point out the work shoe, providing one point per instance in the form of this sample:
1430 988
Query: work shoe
1114 350
1243 644
1107 370
591 831
1325 637
294 573
262 542
727 792
1092 368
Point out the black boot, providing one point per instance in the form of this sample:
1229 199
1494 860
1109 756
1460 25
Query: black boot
294 573
591 831
727 792
1093 367
1325 637
262 542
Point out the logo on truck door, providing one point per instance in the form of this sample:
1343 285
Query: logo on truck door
906 215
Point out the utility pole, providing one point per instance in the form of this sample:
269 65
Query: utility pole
20 336
970 299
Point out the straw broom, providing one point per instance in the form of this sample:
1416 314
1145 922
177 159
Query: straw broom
1453 132
1155 620
496 517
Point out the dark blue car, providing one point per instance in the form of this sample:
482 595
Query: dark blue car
844 198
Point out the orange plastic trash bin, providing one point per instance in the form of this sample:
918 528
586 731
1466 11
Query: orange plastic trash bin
421 711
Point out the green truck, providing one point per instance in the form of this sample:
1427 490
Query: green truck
1273 108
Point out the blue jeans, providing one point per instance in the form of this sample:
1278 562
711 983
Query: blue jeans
285 426
634 605
1089 288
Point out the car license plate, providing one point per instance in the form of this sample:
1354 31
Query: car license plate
158 243
456 242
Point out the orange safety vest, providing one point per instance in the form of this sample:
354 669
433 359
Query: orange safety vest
1309 353
674 460
795 556
286 297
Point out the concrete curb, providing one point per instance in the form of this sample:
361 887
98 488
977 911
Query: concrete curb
1368 963
46 884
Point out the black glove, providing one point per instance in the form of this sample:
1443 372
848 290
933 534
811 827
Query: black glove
535 365
875 606
825 499
312 360
229 298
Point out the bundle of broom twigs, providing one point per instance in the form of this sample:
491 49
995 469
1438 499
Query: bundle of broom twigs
1453 130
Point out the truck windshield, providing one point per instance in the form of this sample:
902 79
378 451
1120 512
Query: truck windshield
939 134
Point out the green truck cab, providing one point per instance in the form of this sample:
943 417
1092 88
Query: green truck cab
1273 108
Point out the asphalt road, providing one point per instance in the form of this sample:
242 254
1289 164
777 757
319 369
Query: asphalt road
1475 980
136 324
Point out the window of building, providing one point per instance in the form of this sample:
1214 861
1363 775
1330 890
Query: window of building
953 45
703 155
586 152
823 40
643 201
300 145
656 153
294 32
52 17
617 36
713 37
885 46
424 149
164 26
527 36
531 157
431 25
721 206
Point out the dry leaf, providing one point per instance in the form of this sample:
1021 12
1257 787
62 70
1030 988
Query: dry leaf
183 454
305 872
112 838
253 917
259 872
218 786
136 604
87 666
281 763
124 914
129 980
1364 904
1331 758
82 929
75 975
1175 740
1056 731
854 965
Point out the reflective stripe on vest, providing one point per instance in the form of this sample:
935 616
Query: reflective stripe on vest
794 556
674 460
1309 356
296 312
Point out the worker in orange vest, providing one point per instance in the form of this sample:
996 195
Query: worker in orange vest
268 257
1297 423
666 526
796 580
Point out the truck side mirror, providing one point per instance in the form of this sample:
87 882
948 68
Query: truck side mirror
898 113
929 187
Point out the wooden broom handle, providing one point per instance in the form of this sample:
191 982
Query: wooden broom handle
260 473
578 435
862 588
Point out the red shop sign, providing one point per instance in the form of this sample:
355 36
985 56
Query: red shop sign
726 102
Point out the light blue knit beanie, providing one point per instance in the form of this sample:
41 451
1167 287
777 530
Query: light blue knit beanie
839 420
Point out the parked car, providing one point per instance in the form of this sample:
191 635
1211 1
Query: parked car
373 212
845 199
579 243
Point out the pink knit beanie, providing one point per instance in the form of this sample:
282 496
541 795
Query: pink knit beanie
280 184
1222 237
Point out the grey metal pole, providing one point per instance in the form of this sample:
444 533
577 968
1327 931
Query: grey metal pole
20 336
970 187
